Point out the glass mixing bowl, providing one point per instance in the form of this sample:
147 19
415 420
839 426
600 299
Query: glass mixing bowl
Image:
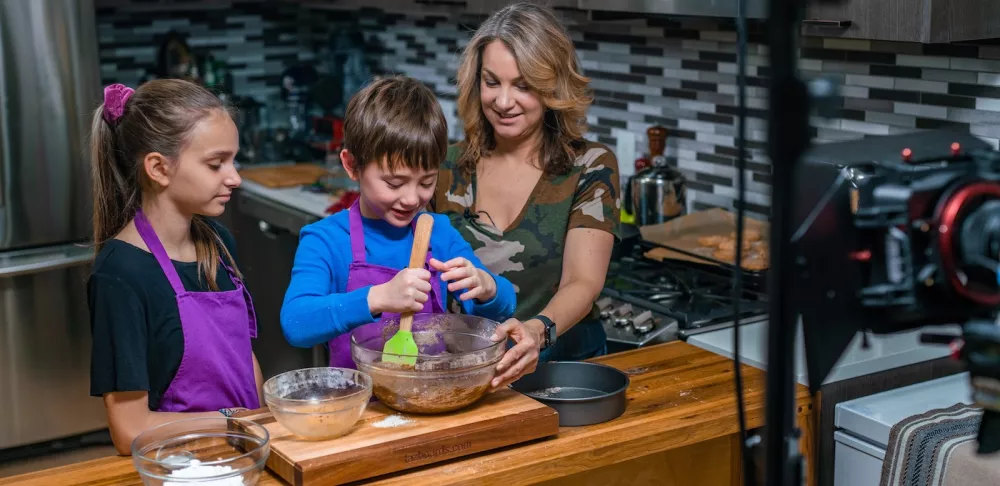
217 451
318 403
455 362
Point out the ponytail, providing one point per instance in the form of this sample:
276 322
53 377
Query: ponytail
116 191
157 117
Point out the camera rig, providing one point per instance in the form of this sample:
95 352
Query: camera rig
895 244
884 245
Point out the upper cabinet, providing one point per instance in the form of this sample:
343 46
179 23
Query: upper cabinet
927 21
490 6
755 9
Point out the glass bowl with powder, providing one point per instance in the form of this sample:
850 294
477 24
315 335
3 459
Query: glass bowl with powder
204 451
455 363
318 403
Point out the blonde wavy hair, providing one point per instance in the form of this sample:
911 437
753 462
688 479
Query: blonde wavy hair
547 61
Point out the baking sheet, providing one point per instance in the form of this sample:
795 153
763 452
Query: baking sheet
682 233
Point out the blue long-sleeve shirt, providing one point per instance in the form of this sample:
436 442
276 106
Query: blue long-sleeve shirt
317 306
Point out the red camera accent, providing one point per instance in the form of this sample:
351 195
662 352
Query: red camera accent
947 226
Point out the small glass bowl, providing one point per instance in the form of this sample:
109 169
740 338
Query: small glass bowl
218 451
318 403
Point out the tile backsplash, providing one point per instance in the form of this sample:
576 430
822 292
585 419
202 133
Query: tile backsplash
677 73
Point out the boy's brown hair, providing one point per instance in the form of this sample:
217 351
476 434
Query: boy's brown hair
396 119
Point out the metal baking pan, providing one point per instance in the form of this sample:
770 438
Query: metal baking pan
583 393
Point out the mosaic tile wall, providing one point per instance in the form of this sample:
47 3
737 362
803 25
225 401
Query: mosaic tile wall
256 39
679 74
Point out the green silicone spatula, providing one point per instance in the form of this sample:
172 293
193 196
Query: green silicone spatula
401 348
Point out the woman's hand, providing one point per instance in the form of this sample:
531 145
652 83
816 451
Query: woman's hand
523 357
463 274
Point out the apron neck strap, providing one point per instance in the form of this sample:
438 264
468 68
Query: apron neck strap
149 237
358 233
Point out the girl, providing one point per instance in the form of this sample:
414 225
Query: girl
171 319
350 268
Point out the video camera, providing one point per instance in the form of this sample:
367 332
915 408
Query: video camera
893 243
899 242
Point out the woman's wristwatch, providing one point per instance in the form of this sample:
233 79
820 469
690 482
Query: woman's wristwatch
229 412
550 330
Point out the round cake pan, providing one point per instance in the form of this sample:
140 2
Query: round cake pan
583 393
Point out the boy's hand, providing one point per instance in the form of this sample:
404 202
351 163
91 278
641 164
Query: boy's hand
463 274
407 291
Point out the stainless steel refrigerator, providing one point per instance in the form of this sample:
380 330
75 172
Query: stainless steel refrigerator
49 83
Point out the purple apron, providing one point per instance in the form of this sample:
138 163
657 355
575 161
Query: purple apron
216 368
361 274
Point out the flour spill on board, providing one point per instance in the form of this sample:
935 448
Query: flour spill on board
392 421
196 471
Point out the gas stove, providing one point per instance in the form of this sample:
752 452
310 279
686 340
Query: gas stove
647 302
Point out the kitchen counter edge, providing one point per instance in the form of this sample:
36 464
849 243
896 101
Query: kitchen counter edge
680 395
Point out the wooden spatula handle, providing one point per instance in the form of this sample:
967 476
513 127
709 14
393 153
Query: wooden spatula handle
418 255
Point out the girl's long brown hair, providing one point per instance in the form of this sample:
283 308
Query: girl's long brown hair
547 61
158 117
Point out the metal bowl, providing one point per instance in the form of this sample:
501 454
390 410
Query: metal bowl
583 393
318 403
218 451
456 361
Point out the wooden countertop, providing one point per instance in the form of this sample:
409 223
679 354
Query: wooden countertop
679 396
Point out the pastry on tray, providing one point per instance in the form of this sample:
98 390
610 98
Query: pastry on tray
749 234
711 241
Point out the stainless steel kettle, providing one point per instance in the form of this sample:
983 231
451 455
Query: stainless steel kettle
658 193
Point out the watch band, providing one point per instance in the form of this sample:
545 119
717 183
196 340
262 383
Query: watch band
550 330
229 412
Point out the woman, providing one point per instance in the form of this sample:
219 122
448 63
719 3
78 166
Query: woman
538 203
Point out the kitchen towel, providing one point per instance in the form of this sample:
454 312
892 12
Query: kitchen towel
937 448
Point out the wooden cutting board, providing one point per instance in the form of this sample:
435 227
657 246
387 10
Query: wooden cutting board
500 419
284 175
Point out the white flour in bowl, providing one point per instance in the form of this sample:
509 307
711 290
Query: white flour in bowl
196 471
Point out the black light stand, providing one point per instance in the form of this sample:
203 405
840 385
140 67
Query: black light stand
788 139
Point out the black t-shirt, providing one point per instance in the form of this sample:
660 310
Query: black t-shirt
137 337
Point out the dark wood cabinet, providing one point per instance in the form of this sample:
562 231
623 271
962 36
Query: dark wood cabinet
925 21
266 239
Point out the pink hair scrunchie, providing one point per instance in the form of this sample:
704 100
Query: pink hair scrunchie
115 97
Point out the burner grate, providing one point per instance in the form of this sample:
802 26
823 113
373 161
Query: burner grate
695 295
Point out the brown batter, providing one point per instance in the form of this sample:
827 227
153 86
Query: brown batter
428 395
432 400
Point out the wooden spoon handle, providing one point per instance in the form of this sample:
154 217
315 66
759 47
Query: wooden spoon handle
418 256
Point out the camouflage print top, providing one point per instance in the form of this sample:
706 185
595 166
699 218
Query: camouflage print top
530 253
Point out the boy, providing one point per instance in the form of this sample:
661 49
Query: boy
350 268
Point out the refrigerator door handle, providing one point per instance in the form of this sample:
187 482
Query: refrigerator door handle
38 262
6 158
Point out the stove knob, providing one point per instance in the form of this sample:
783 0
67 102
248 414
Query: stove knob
623 310
604 303
643 316
605 315
623 322
644 327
